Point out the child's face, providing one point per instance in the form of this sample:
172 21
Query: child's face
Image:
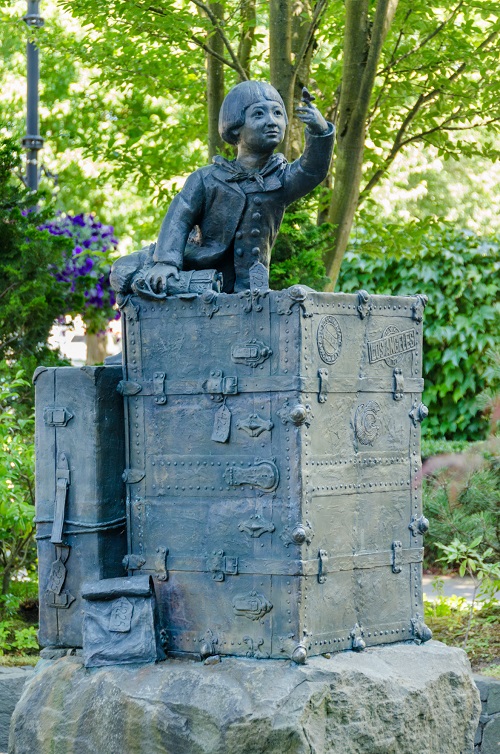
264 127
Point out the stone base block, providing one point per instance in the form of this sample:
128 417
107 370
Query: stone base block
398 699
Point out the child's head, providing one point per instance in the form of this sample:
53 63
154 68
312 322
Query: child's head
236 103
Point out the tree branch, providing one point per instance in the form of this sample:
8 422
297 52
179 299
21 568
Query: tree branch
400 36
197 41
214 54
383 88
384 15
216 24
7 290
421 101
425 41
319 9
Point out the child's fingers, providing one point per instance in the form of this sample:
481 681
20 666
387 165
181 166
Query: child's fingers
306 118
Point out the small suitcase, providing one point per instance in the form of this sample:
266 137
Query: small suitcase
80 496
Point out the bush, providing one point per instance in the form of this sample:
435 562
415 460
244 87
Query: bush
460 273
299 248
461 497
29 300
17 488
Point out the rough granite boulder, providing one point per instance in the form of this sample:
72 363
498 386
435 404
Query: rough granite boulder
12 681
399 699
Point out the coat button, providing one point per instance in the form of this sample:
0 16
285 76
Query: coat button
238 252
257 201
255 251
256 216
255 232
239 234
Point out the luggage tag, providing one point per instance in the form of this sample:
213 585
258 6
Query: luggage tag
56 596
222 424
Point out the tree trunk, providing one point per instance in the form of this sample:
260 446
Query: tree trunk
301 20
280 57
248 24
6 575
96 348
350 135
362 46
215 85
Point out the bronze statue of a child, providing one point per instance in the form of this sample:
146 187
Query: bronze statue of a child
228 214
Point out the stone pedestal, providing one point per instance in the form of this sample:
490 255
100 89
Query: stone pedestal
399 699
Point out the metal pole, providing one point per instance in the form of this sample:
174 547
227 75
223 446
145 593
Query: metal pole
32 142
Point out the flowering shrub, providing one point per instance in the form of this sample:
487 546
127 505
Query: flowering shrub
85 270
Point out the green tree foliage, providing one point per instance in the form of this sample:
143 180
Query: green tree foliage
460 273
135 76
17 489
29 300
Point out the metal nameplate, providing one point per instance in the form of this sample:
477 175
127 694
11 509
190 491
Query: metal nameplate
391 345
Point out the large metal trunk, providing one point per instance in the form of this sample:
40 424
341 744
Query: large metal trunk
272 453
80 496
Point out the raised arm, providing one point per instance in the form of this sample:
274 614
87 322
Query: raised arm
312 166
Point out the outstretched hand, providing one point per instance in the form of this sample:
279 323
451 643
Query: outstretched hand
312 117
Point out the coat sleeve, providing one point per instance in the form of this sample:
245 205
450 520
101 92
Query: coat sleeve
185 211
312 166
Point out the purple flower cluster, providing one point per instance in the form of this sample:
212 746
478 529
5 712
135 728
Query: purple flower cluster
86 269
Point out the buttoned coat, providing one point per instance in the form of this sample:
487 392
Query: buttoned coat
227 219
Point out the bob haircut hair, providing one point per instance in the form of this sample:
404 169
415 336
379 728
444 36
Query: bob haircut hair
237 100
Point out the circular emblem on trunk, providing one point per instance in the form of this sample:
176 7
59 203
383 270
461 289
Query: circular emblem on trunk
329 339
366 427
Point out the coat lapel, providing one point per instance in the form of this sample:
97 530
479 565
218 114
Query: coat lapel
271 175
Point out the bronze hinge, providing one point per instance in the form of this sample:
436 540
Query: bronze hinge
399 384
218 386
222 565
322 566
159 388
323 385
397 556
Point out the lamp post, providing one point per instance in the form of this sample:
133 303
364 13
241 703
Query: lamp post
32 142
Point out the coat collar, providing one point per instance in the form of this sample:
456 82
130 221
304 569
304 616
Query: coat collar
268 178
